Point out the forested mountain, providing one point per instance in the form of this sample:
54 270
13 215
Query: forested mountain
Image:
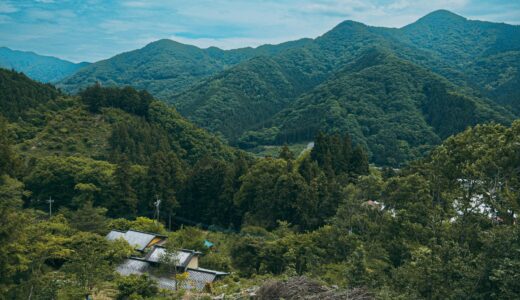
467 70
268 97
19 94
100 131
443 227
165 67
486 54
38 67
394 108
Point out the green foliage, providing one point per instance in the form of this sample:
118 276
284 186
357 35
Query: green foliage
390 100
127 99
140 224
132 286
88 218
165 67
188 238
19 94
396 109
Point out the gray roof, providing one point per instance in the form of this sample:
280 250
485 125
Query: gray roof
115 234
183 257
197 278
132 266
217 273
135 238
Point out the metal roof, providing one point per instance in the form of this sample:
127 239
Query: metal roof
115 234
183 257
217 273
197 278
132 266
135 238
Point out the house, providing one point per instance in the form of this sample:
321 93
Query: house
185 258
198 278
139 239
150 245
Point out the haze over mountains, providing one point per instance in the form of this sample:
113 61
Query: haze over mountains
38 67
398 92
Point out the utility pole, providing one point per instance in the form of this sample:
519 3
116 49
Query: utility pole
157 203
50 201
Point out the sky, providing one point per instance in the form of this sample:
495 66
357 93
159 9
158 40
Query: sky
91 30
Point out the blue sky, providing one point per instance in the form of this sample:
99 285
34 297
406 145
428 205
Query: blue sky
91 30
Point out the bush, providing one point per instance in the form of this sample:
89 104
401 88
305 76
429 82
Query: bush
136 287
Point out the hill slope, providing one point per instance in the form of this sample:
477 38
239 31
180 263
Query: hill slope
38 67
46 122
165 67
397 109
238 93
485 55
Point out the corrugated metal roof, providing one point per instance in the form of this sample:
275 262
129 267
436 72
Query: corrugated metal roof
183 257
217 273
114 235
197 278
132 266
135 238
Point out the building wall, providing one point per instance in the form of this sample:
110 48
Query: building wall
194 262
155 241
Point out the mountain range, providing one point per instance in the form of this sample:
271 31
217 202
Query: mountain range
38 67
396 91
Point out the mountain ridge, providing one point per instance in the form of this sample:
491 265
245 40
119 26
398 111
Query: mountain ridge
242 93
43 68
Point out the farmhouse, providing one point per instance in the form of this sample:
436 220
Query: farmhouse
153 253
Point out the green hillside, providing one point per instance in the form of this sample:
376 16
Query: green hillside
249 94
261 97
46 122
38 67
239 99
396 109
18 94
486 54
165 67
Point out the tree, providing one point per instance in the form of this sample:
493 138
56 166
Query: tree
169 261
286 153
207 192
124 193
7 162
132 286
165 178
89 218
89 264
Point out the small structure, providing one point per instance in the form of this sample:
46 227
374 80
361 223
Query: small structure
185 258
208 244
198 278
139 239
187 261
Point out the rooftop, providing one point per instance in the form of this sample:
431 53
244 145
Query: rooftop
139 239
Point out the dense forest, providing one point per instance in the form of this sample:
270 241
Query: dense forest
367 163
444 227
254 98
